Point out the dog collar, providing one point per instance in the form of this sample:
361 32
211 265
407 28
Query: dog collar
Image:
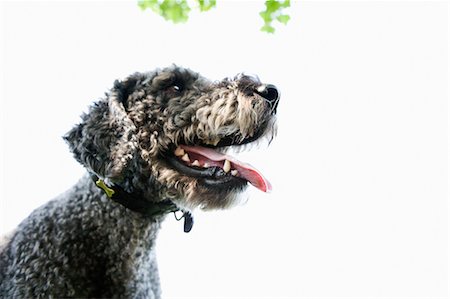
135 203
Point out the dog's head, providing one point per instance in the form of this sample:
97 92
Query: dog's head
165 134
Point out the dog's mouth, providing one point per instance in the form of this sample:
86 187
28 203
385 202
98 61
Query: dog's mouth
215 169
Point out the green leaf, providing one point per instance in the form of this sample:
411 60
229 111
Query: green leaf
266 16
144 4
177 11
283 19
286 4
272 5
206 5
268 28
174 10
274 11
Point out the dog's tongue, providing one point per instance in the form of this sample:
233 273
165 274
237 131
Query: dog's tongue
245 170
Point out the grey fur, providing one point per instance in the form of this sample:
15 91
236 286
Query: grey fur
82 244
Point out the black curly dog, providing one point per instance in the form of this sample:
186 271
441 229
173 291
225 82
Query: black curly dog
156 144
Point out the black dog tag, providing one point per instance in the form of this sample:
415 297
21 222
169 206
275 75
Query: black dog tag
188 222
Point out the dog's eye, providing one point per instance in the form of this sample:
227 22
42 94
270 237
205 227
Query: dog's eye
174 89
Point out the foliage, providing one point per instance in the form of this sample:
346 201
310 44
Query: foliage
274 11
177 11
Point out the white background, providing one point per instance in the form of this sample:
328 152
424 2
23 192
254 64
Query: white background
359 168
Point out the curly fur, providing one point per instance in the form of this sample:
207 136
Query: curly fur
82 244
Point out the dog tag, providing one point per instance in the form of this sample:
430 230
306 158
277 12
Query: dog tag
188 222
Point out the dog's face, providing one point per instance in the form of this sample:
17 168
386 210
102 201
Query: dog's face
165 133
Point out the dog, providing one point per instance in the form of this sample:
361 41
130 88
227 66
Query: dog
157 143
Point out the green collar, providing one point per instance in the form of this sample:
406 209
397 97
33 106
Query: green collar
136 203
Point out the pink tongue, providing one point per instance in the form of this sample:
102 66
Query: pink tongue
245 170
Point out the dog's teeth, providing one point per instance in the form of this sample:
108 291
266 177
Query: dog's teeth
195 163
234 172
226 166
185 158
206 165
179 152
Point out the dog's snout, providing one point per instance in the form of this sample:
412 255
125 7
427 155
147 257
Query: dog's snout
270 93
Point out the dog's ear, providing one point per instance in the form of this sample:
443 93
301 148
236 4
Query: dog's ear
105 141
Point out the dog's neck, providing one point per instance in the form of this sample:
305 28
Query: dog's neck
135 202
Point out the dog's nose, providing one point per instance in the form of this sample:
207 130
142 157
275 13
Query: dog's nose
270 93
